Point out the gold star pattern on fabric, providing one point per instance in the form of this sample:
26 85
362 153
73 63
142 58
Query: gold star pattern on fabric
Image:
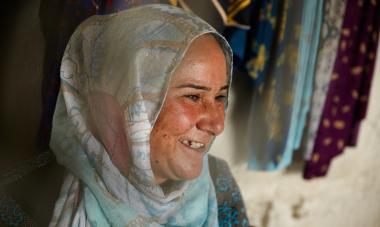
326 123
334 76
274 130
327 141
354 94
272 119
343 45
346 109
340 144
258 63
339 124
346 32
315 157
356 70
336 99
363 48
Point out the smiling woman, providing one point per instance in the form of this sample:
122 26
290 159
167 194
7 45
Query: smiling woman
193 112
143 95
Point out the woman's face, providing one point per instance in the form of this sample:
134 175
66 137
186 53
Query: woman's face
193 112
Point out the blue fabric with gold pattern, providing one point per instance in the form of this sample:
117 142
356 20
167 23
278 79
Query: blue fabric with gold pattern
280 108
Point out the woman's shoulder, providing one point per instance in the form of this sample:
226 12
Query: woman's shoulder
231 208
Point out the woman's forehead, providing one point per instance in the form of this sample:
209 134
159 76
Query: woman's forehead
204 64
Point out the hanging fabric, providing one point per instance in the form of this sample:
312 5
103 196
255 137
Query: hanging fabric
310 36
348 90
236 16
252 47
261 39
279 109
266 144
328 44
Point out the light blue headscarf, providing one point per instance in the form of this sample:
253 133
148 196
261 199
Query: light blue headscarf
122 64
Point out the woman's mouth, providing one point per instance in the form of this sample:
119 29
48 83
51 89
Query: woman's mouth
192 144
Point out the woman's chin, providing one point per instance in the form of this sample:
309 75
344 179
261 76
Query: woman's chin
180 171
189 171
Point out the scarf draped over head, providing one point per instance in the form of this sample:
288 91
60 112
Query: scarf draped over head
114 77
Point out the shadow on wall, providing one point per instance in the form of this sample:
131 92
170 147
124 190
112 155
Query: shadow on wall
21 77
21 61
242 98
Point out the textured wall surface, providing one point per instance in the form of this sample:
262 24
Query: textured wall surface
348 197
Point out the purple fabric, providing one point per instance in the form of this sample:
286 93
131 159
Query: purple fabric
348 91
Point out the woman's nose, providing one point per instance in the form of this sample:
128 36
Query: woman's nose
211 119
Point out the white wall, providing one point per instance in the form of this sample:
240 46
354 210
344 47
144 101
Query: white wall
348 196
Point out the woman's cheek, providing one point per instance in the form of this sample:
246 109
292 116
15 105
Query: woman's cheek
184 116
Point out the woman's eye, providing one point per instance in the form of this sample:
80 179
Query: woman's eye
193 97
221 98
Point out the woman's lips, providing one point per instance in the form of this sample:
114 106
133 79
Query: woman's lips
194 145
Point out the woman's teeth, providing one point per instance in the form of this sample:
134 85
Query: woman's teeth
192 144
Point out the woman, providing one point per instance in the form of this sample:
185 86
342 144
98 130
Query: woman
143 95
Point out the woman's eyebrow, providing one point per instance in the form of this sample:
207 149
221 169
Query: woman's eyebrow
195 86
224 87
200 87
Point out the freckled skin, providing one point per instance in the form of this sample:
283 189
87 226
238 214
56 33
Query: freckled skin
190 113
